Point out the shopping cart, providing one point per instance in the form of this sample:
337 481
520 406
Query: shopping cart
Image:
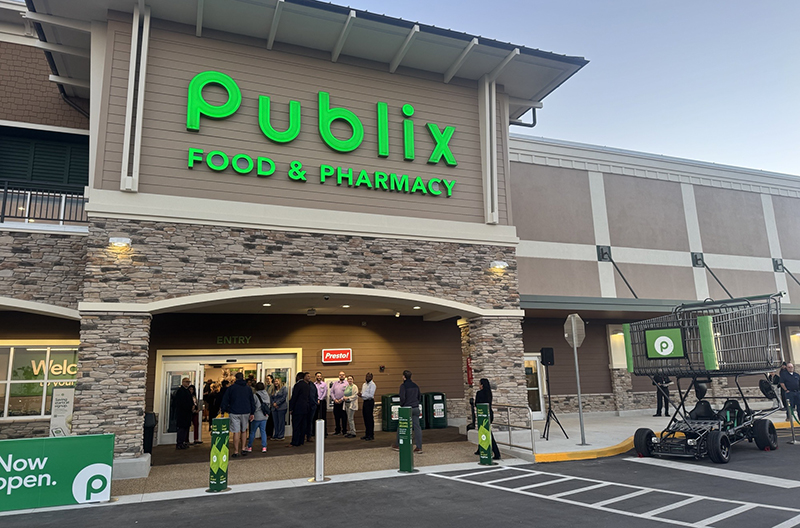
702 341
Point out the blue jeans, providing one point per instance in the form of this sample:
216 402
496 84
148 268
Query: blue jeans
258 424
279 418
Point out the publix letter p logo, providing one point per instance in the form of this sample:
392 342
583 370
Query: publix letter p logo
92 484
664 346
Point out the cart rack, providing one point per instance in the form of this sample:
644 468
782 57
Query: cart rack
712 338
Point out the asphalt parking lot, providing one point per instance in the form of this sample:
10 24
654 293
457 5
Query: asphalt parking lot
756 489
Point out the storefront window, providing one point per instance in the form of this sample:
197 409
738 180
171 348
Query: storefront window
28 375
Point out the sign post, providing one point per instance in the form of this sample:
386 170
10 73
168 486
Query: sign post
575 332
218 475
404 429
484 434
40 472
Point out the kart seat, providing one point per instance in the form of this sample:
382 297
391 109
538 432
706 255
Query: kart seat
766 389
702 411
731 413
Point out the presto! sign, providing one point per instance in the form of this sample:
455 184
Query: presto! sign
39 472
327 114
337 355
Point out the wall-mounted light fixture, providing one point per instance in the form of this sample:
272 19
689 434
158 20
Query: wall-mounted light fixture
311 312
397 314
267 305
120 242
617 333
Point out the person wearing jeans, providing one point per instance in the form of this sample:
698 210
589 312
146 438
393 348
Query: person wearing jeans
279 407
259 422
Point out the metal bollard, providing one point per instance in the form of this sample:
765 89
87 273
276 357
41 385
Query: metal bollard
319 453
791 424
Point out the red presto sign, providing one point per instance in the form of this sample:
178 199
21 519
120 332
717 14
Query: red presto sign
337 355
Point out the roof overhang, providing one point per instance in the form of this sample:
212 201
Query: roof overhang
401 45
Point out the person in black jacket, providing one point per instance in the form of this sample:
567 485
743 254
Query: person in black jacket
410 397
662 384
299 408
184 406
485 396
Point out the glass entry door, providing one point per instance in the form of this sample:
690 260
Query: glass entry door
175 372
533 378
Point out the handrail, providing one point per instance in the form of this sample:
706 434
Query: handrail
30 205
511 426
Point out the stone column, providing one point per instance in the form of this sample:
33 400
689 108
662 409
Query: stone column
498 355
112 371
622 388
461 409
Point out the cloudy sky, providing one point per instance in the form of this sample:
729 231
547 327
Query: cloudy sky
710 80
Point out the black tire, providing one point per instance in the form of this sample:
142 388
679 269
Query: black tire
719 447
643 443
765 435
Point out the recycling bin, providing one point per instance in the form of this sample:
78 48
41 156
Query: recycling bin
435 409
390 403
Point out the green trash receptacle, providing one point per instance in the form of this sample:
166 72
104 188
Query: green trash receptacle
390 403
423 414
435 409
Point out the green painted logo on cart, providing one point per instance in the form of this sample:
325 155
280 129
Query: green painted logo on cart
664 343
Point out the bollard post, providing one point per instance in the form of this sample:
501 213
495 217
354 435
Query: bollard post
404 442
218 475
485 435
319 452
791 423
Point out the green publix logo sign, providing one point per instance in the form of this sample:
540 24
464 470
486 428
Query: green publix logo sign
263 166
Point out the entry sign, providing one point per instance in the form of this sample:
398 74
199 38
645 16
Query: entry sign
39 472
218 476
484 434
337 355
574 338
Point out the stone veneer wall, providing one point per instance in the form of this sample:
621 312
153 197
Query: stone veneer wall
169 260
498 355
32 429
112 365
42 267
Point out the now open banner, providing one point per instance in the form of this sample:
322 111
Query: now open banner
39 472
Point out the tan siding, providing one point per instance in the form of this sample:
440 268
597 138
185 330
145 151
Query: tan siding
787 216
656 282
645 213
740 283
558 277
731 222
28 96
431 350
551 204
175 58
592 356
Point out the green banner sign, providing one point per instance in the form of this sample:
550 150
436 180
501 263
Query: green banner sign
484 434
218 475
40 472
664 343
404 430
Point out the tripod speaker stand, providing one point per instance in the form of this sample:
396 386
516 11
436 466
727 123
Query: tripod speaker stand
551 414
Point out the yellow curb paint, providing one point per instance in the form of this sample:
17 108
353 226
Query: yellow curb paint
589 454
618 449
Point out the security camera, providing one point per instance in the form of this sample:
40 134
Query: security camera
326 297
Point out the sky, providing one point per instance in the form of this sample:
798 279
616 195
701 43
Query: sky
709 80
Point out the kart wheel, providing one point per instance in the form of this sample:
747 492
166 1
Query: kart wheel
719 447
765 435
643 442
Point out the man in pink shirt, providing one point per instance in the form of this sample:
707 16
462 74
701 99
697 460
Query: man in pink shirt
337 395
322 403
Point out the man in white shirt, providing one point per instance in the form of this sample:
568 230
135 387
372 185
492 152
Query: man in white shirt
368 395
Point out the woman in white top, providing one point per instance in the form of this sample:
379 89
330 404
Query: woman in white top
351 406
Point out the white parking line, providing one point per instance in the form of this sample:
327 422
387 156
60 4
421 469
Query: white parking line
725 515
674 506
718 472
523 475
682 499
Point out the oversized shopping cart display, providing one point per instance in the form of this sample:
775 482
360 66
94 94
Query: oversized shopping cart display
713 338
701 341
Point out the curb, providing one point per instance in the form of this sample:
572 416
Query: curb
590 454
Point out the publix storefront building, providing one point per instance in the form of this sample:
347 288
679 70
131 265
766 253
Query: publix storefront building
270 181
